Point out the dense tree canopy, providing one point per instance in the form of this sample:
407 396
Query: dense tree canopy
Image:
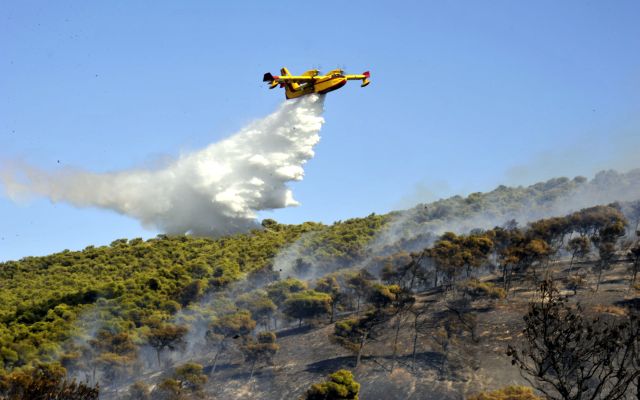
136 285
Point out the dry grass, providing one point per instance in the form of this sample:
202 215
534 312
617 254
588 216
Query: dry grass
609 309
508 393
484 289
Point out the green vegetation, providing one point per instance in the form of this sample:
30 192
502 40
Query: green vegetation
478 289
166 336
235 324
44 382
139 391
260 350
92 311
339 386
191 377
184 382
137 286
354 333
308 304
503 202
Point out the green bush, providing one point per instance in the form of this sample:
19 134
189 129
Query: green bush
339 386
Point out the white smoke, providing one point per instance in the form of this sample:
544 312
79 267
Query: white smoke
216 190
416 228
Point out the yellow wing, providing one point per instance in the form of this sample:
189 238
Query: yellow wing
290 78
335 72
285 76
311 72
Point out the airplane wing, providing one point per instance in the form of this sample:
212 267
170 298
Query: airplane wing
286 78
295 78
311 72
282 79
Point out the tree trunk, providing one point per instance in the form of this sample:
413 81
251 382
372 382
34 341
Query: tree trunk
363 341
546 268
253 368
599 277
395 342
509 276
504 277
635 273
535 272
215 358
412 282
358 307
415 347
571 263
333 311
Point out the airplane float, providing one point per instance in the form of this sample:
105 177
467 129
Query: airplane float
312 82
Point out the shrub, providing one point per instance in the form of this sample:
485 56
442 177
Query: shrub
575 282
484 289
339 386
609 309
507 393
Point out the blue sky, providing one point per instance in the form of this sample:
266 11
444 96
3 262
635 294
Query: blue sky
465 95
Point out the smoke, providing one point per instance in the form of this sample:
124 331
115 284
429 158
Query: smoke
299 261
417 227
216 190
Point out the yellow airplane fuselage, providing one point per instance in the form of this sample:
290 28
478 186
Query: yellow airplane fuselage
312 82
321 86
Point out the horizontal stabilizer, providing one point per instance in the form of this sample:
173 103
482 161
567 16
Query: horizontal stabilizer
366 81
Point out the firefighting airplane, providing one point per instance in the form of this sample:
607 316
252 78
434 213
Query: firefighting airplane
312 82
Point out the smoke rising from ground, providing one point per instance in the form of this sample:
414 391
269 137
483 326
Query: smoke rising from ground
418 227
216 190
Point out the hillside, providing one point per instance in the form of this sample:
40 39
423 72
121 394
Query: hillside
141 310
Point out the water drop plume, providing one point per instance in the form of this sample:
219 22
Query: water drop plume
215 190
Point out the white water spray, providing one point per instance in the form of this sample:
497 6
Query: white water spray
216 190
